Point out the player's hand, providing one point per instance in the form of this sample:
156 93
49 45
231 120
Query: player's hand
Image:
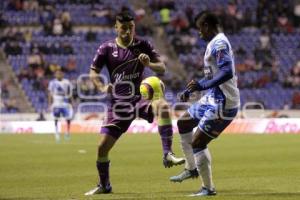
184 96
109 88
192 86
105 89
144 59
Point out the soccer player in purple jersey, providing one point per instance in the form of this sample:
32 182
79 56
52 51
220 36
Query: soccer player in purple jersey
126 58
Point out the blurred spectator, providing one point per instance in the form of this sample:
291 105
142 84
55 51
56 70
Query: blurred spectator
165 16
139 14
143 30
15 5
293 80
231 20
66 23
57 28
296 100
23 74
13 48
284 25
27 36
41 117
262 81
10 106
35 59
48 30
296 13
105 12
90 36
66 48
180 23
3 22
274 15
247 65
71 65
263 54
274 73
4 90
51 69
30 5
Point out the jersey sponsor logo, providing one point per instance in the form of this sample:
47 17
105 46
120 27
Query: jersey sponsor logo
123 77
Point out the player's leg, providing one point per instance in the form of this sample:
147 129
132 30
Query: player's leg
212 124
68 115
57 134
162 110
106 143
203 162
56 115
112 129
185 127
67 134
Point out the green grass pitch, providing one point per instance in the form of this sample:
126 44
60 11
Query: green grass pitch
245 167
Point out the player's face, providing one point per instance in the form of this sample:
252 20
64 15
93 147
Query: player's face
125 30
202 29
59 75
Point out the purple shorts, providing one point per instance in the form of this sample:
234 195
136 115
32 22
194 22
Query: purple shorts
120 115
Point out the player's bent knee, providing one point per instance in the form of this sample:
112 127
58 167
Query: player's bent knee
106 143
164 110
183 127
196 144
102 151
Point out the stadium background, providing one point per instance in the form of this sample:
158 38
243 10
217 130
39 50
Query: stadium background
39 36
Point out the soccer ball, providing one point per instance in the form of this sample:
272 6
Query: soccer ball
152 88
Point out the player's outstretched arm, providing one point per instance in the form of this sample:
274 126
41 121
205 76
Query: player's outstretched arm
94 76
156 65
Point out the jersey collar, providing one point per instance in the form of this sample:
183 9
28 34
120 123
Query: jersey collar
122 46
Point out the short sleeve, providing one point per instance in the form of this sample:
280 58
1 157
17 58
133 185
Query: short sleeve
220 50
151 52
100 58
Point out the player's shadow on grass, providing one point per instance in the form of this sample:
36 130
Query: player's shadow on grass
258 193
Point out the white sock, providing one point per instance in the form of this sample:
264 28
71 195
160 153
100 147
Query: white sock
186 145
203 162
57 136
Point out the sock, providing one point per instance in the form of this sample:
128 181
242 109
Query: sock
103 171
166 134
203 162
57 137
68 127
186 145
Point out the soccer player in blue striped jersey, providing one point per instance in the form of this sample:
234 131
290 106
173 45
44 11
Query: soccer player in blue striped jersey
215 110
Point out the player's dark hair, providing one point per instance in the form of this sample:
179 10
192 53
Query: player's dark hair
125 16
207 17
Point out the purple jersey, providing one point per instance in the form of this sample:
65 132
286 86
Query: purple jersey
123 64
